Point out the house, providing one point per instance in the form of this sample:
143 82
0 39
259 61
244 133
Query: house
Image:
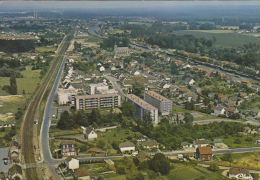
72 162
81 174
71 60
91 133
200 143
204 153
189 81
142 155
239 173
126 147
186 144
231 110
255 112
257 141
15 172
149 144
68 148
247 129
218 110
102 68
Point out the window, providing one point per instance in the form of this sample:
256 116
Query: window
208 157
203 157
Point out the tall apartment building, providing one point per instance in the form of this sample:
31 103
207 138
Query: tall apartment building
163 104
99 101
141 107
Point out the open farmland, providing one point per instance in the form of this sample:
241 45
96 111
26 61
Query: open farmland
223 39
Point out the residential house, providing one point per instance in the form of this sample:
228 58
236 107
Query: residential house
81 174
200 143
218 110
72 162
239 173
91 133
257 141
149 144
151 79
68 148
15 172
247 129
102 68
142 155
231 110
255 112
189 81
165 85
126 147
204 153
186 144
183 91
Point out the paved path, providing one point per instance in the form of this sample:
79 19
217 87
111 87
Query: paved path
115 85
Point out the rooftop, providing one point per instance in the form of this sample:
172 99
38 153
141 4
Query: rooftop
205 150
157 96
140 102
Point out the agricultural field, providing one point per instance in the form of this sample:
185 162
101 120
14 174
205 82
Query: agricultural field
223 39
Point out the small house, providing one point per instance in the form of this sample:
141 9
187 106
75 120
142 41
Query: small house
204 153
126 147
82 174
68 148
239 173
142 155
91 133
148 144
247 129
186 144
200 143
72 162
15 172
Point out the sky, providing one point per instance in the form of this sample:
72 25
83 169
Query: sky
118 4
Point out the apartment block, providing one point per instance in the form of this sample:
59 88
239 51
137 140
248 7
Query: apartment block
99 101
163 104
141 107
95 88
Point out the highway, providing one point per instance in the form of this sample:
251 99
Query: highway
27 135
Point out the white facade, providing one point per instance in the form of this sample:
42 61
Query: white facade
123 149
102 68
92 135
73 164
65 96
93 88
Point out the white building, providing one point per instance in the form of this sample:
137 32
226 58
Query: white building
239 173
72 162
126 146
102 68
65 96
91 134
94 88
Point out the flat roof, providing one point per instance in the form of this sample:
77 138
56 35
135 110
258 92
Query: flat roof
141 102
157 96
96 96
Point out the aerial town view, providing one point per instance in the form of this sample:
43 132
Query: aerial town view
130 90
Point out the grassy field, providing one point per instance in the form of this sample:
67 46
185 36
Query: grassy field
141 23
214 31
45 48
91 38
29 82
248 159
223 39
230 142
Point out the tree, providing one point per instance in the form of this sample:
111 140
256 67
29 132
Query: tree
127 109
160 163
213 166
188 118
227 157
65 121
138 88
13 86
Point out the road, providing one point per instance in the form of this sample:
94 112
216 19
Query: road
206 121
115 85
27 135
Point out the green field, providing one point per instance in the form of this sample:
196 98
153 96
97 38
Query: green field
230 141
141 23
223 39
29 82
92 38
45 48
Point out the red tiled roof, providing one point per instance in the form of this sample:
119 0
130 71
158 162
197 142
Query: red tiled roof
205 150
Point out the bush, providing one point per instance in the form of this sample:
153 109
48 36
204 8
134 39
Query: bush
213 166
249 139
238 141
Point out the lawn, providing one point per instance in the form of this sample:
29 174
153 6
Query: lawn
92 38
223 39
45 48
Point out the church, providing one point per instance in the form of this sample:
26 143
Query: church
121 51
